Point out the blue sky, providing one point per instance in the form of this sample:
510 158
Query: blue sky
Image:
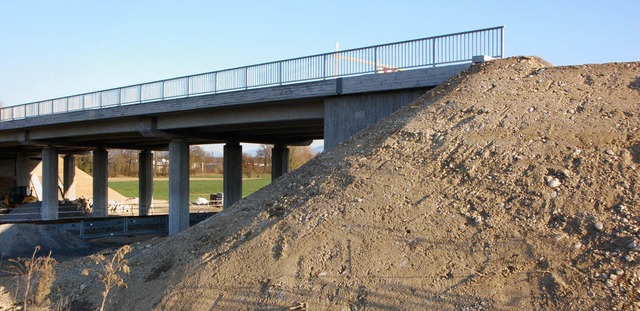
57 48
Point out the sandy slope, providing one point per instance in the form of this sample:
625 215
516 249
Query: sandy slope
512 186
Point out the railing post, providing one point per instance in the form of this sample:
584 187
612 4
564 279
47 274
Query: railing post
215 82
139 93
100 99
119 97
246 78
162 90
375 60
433 55
187 85
81 103
433 52
501 42
324 67
280 73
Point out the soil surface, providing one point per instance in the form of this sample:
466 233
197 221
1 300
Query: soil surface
512 186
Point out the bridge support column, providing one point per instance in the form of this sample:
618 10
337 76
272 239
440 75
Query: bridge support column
49 209
232 173
178 186
69 175
23 170
279 161
145 182
100 183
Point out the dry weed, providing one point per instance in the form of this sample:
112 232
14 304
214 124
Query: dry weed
62 304
109 271
32 271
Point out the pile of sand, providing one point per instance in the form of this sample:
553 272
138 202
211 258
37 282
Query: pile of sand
83 183
19 240
512 186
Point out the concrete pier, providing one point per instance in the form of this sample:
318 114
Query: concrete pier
178 186
23 170
100 183
279 161
232 173
49 209
69 175
145 182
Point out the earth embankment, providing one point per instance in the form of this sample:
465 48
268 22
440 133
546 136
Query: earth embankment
514 185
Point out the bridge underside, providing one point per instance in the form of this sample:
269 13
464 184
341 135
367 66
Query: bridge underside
281 123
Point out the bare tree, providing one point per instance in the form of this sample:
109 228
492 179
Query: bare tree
250 165
216 163
123 162
263 156
299 156
85 163
161 163
197 160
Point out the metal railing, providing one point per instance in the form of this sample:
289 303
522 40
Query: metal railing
412 54
125 226
116 209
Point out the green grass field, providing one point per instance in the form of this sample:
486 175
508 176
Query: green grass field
197 188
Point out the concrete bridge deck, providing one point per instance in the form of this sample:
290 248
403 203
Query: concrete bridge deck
290 114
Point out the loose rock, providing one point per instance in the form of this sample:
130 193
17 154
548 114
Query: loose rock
554 183
599 226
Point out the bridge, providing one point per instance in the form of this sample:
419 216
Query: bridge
285 103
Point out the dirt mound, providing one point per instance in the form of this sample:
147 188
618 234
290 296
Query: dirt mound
83 182
512 186
19 240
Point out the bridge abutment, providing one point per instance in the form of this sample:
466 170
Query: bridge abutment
145 182
178 186
100 183
49 208
232 173
347 115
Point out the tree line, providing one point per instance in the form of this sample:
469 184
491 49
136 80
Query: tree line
124 163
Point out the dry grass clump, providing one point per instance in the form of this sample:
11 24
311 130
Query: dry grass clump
33 273
110 270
